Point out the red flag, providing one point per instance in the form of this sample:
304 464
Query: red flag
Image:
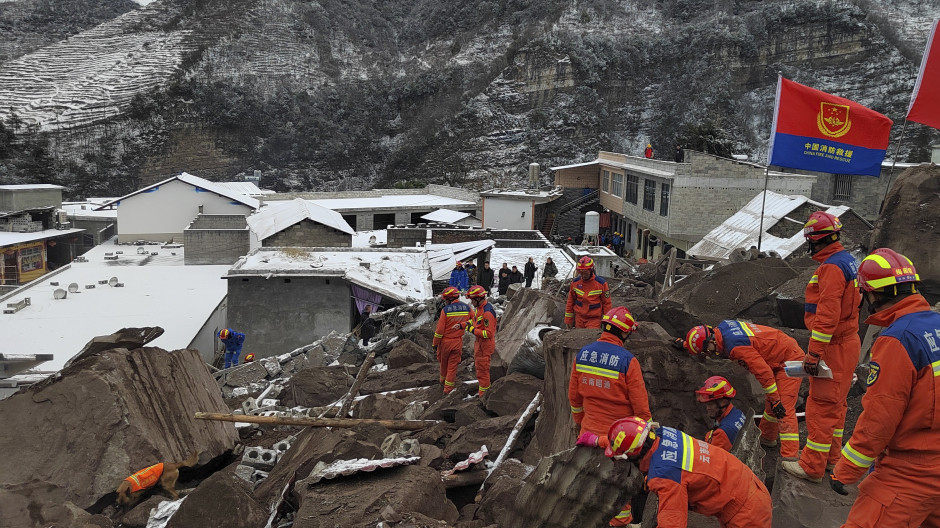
925 101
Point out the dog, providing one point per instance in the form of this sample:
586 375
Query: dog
164 473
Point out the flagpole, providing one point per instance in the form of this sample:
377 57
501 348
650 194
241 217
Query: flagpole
893 163
760 233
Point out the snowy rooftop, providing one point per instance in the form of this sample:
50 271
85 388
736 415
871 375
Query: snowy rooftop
158 291
591 251
195 181
246 188
281 215
539 195
616 164
741 230
519 256
446 216
362 239
401 274
29 186
87 210
9 239
394 201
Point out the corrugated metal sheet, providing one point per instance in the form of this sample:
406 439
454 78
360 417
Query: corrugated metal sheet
277 217
741 230
445 215
443 257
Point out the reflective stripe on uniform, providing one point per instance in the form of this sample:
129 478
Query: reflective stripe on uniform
936 368
607 373
816 446
438 335
455 314
769 418
814 279
838 433
789 437
450 383
855 457
595 292
577 410
688 452
484 335
771 388
819 336
569 314
579 292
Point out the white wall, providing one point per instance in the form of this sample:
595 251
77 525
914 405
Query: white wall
502 213
165 211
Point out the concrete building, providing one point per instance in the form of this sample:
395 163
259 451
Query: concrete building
864 194
218 239
660 204
284 298
34 239
98 225
379 208
163 210
519 210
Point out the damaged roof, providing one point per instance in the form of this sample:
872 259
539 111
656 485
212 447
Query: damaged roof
277 217
742 229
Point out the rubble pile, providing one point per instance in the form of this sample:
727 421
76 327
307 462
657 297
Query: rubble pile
474 463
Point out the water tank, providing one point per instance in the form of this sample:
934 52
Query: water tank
592 221
533 175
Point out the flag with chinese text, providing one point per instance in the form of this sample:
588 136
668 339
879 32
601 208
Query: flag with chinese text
925 101
817 131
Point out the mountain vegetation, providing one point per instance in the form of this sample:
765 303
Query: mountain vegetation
340 94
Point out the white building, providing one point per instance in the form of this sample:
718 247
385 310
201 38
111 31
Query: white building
163 210
516 209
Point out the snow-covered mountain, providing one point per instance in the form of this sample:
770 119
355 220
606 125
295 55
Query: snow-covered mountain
344 93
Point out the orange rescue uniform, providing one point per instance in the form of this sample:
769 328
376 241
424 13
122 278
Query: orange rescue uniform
727 427
484 331
832 300
606 384
899 429
146 477
763 350
448 341
588 301
689 474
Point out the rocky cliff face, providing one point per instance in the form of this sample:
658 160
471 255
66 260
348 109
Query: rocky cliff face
330 94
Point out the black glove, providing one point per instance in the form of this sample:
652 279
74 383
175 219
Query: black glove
678 343
811 363
837 486
779 411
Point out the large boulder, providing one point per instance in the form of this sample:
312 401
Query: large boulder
43 504
414 375
407 353
363 500
221 500
512 393
729 291
802 504
105 417
318 386
502 487
491 432
528 308
910 223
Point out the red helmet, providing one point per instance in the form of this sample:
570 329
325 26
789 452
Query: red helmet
885 268
820 225
715 388
627 436
225 333
585 263
459 263
476 292
620 317
249 358
696 341
450 293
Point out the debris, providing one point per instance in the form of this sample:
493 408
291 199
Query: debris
475 458
339 468
511 393
399 425
514 435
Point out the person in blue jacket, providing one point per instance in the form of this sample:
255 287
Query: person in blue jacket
233 342
459 278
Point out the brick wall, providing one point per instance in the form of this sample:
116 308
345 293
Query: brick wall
215 246
219 221
308 233
865 197
579 177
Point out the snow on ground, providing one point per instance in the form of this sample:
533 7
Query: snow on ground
519 256
158 291
362 238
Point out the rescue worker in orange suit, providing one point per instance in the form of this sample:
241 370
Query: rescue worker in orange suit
899 428
588 297
606 384
716 394
689 474
763 350
483 327
831 315
448 336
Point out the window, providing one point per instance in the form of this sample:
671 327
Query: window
649 194
842 188
616 185
30 259
631 188
606 181
664 200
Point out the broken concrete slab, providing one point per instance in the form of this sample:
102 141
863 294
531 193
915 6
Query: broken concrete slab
574 488
221 500
511 394
379 406
129 338
406 353
527 309
241 376
362 501
415 375
108 416
316 386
